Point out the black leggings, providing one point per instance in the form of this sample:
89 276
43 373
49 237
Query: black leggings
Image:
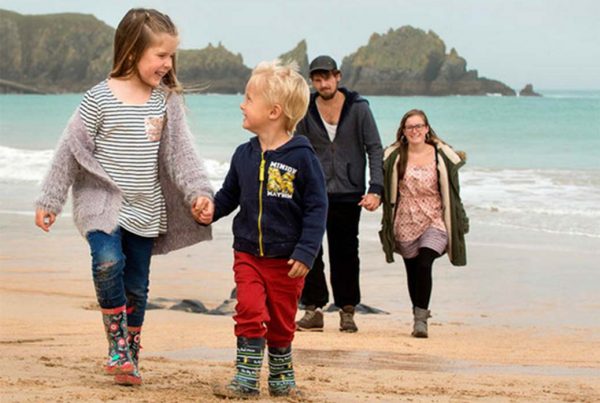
419 279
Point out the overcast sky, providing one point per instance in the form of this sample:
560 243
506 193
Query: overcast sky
553 44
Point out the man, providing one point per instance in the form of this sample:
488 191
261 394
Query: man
341 128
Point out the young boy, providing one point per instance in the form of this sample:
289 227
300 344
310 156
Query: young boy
277 181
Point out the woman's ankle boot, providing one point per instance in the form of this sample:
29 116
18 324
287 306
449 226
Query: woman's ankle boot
420 322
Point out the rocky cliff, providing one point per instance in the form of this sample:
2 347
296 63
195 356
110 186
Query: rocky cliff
72 52
54 53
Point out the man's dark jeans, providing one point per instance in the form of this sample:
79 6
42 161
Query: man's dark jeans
342 240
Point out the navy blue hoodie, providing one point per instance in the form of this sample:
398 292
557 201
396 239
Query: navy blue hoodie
282 198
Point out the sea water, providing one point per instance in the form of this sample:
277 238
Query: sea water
532 163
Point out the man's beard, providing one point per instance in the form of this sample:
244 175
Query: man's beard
327 97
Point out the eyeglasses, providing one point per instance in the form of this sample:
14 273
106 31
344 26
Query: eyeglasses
418 127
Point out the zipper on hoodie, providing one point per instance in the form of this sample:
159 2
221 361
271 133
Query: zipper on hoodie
261 179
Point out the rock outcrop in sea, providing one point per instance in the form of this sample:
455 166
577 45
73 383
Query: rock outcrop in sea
528 91
410 61
213 69
299 55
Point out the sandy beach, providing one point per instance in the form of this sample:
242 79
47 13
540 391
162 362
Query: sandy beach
519 323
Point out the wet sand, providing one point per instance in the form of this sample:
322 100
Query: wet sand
518 324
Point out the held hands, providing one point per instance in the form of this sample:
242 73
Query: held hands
370 201
203 210
44 219
298 269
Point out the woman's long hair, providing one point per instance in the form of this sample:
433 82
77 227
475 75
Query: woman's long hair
134 35
430 138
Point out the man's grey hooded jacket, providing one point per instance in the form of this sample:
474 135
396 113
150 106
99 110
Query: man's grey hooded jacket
343 160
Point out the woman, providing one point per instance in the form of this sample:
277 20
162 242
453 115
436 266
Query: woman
423 216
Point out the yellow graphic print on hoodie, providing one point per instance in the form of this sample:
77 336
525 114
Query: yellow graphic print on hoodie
278 184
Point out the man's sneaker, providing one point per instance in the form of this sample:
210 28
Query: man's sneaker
347 319
312 321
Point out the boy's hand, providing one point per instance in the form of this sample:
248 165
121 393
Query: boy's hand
298 269
44 219
203 210
370 201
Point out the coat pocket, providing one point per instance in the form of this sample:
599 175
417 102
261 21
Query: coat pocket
89 199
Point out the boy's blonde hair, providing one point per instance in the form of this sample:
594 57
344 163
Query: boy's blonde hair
281 84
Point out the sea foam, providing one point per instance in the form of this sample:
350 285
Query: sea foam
552 200
23 165
18 165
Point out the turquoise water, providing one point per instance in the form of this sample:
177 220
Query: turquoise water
503 132
532 162
560 130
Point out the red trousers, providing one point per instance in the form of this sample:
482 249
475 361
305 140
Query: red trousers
267 299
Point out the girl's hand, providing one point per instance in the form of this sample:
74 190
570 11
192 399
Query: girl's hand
298 269
203 210
44 219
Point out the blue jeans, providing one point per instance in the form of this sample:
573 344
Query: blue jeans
121 271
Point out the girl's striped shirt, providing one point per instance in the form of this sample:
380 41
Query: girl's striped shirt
127 140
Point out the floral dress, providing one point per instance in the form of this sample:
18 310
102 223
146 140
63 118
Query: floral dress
418 222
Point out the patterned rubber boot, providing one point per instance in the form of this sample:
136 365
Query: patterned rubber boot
281 373
420 322
246 382
135 378
119 358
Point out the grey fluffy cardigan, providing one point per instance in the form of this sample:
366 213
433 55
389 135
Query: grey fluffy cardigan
97 198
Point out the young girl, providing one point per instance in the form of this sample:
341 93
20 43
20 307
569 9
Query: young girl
127 154
423 215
